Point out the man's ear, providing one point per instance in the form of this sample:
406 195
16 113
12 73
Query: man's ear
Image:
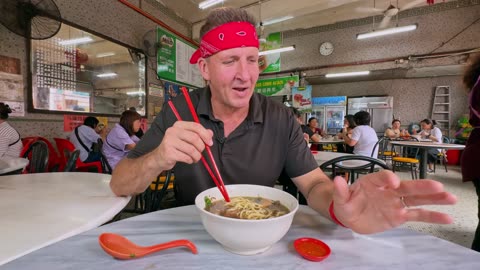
203 67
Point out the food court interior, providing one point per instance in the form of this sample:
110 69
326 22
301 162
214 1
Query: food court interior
122 40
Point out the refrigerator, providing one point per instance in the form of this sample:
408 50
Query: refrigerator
330 112
379 107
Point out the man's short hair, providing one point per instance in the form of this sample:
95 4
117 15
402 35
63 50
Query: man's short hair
91 122
362 118
223 15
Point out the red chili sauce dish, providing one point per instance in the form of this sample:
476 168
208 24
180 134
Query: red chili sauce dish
312 249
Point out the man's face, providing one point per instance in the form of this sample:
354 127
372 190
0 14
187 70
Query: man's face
396 125
232 75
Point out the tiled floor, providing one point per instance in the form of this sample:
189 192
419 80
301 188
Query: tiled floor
464 212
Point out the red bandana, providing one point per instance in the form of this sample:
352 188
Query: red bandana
226 36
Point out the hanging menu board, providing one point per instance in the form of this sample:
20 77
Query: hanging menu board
173 60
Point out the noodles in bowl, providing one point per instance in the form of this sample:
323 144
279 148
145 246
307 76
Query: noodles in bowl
246 208
227 223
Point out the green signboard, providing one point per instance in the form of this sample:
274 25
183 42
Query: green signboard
271 62
276 86
173 60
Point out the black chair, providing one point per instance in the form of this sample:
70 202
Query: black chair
408 156
71 157
151 199
382 147
343 164
288 186
442 155
37 153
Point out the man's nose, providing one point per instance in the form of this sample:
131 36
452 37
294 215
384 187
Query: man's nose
243 70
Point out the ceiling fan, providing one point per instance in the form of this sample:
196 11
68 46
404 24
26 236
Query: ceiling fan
390 12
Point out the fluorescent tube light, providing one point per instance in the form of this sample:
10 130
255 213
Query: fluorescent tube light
279 50
75 41
388 31
135 93
209 3
347 74
107 75
277 20
107 54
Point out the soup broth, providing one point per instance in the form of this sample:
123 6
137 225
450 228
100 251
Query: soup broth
247 208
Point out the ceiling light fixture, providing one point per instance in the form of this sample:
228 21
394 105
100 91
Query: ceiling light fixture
347 74
107 75
388 31
277 20
107 54
209 3
136 93
75 41
279 50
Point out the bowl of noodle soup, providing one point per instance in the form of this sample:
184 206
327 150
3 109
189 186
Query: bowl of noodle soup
256 217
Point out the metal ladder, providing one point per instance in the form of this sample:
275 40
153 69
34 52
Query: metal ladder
441 108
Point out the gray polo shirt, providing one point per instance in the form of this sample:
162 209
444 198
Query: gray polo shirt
267 142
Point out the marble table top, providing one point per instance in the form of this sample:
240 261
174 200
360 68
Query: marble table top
397 249
12 164
328 141
40 209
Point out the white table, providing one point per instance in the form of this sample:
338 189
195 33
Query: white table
423 146
323 156
40 209
397 249
8 165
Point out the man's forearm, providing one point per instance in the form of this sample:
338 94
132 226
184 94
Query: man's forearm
317 187
132 176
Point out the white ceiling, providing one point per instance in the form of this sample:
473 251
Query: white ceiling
307 13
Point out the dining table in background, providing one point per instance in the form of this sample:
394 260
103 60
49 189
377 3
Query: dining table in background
40 209
397 249
423 147
12 165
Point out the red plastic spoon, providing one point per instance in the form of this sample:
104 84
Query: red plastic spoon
122 248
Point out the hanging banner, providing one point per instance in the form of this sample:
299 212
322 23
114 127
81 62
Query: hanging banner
302 98
280 86
271 62
173 60
70 122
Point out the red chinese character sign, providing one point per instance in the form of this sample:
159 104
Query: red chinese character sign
70 122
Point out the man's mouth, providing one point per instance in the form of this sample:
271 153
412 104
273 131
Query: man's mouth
240 89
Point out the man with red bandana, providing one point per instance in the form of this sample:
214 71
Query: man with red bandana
254 139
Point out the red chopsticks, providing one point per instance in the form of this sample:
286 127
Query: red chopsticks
218 181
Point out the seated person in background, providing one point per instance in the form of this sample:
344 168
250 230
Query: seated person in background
314 133
10 140
363 137
348 126
298 116
140 132
431 132
84 136
395 132
121 139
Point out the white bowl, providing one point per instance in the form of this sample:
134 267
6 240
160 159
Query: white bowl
247 237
